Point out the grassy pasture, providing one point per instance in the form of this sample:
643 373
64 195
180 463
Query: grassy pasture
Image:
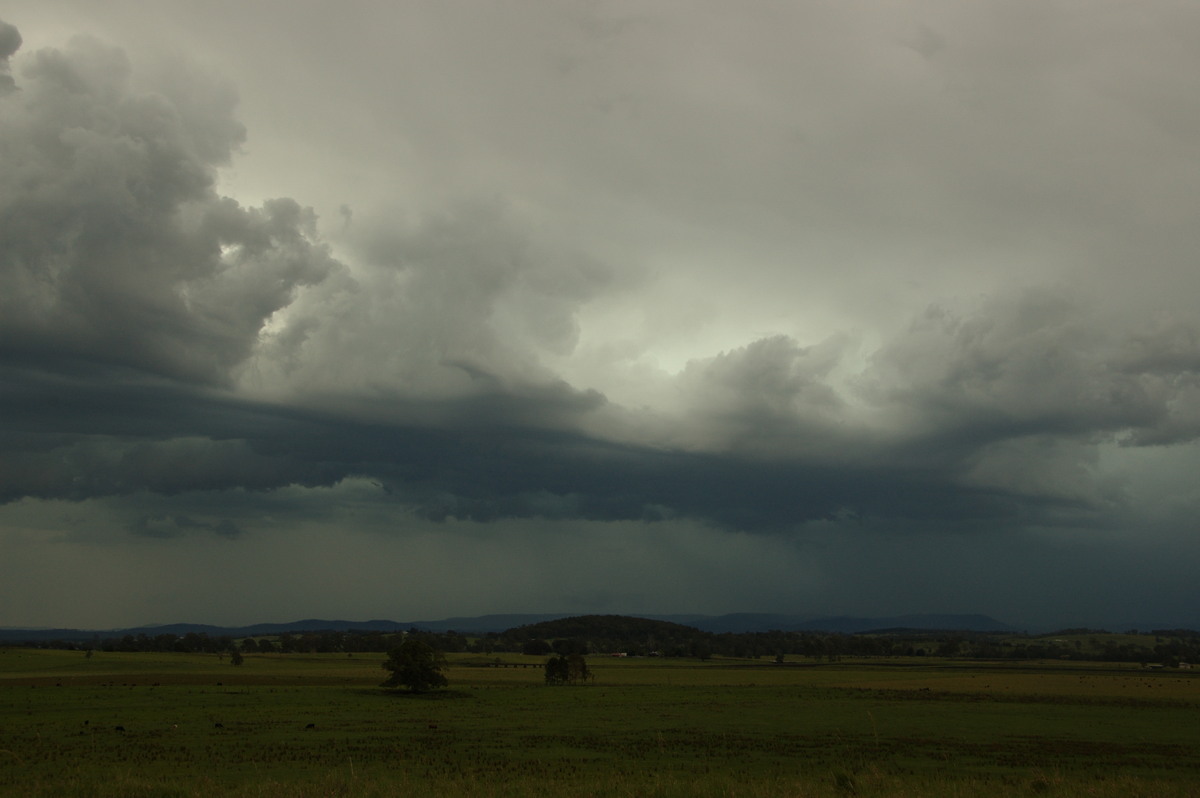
645 727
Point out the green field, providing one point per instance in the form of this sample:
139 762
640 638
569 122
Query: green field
193 725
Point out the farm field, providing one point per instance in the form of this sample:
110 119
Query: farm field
144 724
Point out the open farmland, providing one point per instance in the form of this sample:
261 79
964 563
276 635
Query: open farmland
141 724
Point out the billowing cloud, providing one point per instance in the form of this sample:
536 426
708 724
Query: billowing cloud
464 303
1014 367
427 364
1039 362
116 249
10 42
826 287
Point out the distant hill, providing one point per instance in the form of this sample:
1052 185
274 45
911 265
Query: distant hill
486 623
850 625
609 633
473 625
481 624
616 626
666 626
774 622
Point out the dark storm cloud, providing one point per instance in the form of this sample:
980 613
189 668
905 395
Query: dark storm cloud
908 291
1039 362
157 338
114 246
169 526
74 436
10 42
483 469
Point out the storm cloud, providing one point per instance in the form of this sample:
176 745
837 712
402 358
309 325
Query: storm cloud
811 285
117 250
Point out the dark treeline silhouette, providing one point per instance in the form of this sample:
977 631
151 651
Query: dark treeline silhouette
616 634
613 634
315 642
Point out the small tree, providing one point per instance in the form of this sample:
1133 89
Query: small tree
568 669
235 657
577 669
556 670
416 665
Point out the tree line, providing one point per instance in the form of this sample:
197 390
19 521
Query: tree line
588 635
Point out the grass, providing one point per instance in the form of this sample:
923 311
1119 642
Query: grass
194 725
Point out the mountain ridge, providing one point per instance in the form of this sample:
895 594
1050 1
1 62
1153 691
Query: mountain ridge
501 622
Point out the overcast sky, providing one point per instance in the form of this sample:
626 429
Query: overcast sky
412 310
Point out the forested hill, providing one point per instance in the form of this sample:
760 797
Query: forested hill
605 633
493 625
606 627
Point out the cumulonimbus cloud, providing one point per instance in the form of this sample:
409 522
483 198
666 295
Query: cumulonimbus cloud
115 247
157 337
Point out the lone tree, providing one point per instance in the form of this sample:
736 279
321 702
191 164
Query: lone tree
568 669
416 665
